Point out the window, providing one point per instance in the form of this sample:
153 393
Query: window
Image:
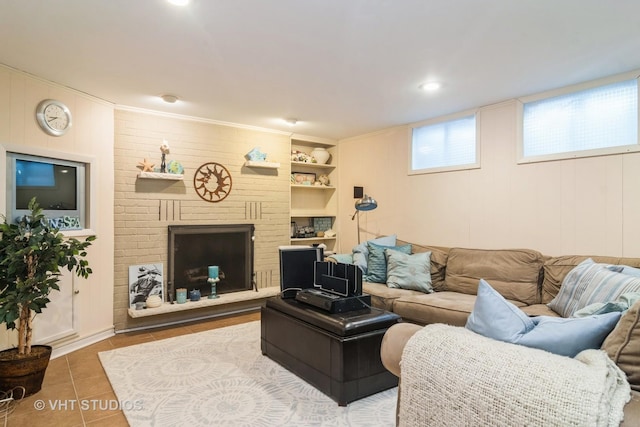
597 120
444 146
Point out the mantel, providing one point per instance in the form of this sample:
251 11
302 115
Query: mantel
229 298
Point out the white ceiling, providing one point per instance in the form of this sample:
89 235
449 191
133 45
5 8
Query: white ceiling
342 67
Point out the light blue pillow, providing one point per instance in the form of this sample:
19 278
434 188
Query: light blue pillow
497 318
377 262
361 251
406 271
630 271
589 283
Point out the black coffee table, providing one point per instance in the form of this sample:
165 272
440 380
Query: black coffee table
339 354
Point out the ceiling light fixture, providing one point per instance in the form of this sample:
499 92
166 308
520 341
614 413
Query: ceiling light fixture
179 2
171 99
431 86
291 122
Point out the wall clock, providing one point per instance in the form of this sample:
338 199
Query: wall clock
212 182
53 117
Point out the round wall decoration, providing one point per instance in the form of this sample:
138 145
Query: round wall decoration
212 182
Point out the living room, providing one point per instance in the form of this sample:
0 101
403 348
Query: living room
585 205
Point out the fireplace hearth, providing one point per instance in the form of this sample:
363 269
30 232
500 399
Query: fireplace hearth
193 248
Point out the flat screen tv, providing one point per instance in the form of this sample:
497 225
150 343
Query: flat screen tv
58 186
297 268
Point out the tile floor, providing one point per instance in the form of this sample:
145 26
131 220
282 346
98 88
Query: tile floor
79 376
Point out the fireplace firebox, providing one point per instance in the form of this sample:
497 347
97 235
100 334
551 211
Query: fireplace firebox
193 248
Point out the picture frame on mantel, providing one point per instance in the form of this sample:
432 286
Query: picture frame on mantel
145 280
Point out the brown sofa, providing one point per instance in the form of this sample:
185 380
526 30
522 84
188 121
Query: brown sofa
524 277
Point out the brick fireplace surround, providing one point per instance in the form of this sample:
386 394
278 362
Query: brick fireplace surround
144 208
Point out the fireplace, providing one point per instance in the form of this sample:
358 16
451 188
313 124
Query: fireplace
193 248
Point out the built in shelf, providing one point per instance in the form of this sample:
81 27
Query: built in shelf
230 298
160 175
311 239
262 164
314 187
304 165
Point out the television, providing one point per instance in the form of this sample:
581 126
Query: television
58 186
297 268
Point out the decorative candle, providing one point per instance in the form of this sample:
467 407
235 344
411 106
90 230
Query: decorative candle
181 294
213 272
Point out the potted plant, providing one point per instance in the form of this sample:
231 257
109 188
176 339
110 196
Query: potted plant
31 255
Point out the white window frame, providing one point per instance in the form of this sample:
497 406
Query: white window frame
521 159
447 118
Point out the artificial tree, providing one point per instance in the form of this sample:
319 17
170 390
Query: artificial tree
31 255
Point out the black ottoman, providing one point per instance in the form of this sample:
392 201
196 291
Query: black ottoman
339 354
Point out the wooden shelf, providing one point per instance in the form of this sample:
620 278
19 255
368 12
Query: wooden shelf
261 164
159 175
311 239
307 165
314 187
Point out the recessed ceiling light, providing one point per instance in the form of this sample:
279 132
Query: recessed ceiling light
171 99
291 122
430 86
179 2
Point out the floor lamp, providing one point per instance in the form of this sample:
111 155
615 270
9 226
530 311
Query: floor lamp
367 203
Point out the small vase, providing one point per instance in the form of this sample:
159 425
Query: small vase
154 301
321 155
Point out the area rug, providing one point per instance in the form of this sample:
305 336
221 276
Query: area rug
220 377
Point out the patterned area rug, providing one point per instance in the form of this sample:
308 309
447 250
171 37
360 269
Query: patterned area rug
220 377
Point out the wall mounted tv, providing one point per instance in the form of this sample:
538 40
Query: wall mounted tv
58 186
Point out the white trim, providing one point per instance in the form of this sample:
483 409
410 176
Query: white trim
198 119
81 343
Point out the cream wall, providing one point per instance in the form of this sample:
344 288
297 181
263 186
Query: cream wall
578 206
90 136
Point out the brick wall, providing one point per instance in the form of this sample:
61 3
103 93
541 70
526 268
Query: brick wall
144 207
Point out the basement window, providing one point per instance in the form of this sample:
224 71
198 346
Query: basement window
444 145
595 119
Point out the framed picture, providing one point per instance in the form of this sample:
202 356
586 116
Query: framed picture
145 280
300 178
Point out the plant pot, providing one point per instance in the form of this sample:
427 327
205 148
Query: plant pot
24 371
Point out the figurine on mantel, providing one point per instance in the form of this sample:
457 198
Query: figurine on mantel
164 149
255 155
146 165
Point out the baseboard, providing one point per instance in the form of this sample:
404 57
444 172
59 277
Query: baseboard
64 349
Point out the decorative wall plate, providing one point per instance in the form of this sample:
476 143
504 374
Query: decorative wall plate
212 182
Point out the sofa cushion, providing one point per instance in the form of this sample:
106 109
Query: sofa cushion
514 273
588 283
556 268
377 262
623 345
451 308
384 297
406 271
361 251
439 255
496 318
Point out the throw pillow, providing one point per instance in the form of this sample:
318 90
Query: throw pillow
407 271
361 251
623 345
377 263
497 318
630 271
588 283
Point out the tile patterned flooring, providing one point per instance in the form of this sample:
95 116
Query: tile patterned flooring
78 376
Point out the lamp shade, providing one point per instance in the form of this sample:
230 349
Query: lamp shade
367 203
